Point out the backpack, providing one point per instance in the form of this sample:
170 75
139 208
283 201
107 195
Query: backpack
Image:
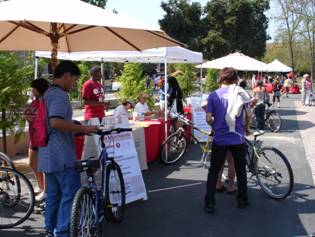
38 128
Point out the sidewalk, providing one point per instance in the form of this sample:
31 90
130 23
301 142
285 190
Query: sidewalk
306 116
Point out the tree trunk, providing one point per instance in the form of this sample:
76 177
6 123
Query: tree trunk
4 132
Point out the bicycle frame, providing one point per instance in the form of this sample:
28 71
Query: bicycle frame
100 194
206 147
251 159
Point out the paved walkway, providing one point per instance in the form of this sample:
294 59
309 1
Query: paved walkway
306 118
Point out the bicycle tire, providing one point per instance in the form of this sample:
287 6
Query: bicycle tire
6 161
175 147
272 179
83 210
274 121
9 200
115 193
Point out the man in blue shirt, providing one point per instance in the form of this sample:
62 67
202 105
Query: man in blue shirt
57 159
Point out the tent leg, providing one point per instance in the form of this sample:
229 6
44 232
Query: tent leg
165 106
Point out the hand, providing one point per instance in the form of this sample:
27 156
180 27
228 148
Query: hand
106 105
90 129
29 117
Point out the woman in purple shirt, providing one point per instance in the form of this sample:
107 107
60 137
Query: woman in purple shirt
224 139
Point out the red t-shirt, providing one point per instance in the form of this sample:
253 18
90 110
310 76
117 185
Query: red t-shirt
93 91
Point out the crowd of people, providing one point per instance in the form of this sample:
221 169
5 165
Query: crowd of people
228 112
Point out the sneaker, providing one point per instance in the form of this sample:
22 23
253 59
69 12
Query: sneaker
261 131
242 203
49 234
40 197
209 208
256 133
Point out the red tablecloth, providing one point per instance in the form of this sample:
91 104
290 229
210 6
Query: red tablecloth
295 90
268 88
154 137
79 142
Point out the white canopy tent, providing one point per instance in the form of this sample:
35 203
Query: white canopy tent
238 61
277 66
156 55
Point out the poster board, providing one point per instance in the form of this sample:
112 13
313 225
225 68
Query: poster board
199 119
122 148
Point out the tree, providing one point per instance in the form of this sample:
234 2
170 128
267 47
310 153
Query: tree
98 3
222 27
305 9
186 79
133 84
235 25
183 22
14 82
291 22
211 82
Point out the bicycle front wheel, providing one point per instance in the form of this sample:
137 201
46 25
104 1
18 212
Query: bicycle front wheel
274 173
17 198
173 148
115 193
83 214
274 121
6 161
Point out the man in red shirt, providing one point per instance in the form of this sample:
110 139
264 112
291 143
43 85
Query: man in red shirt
93 95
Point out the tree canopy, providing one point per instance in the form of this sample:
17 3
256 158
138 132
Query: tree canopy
221 27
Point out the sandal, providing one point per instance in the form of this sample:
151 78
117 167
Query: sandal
221 189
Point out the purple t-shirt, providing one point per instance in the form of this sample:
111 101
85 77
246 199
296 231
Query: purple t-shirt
217 106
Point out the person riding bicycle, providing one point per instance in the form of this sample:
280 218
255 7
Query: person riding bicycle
225 112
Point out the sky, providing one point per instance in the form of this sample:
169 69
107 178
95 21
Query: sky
149 11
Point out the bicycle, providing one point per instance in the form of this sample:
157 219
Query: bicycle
17 198
92 205
6 161
272 119
270 167
174 146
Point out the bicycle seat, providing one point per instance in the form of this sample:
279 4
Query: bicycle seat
258 133
87 165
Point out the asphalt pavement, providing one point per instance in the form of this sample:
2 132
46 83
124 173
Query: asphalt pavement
175 204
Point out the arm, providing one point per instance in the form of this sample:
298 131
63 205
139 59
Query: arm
95 102
209 118
65 126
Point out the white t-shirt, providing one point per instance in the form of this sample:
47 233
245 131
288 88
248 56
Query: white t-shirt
141 108
121 117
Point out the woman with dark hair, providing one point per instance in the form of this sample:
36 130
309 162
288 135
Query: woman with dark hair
225 109
175 94
39 86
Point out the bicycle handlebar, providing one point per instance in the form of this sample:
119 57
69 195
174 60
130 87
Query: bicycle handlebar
103 132
181 118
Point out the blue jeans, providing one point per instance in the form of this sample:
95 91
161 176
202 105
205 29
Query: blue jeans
61 188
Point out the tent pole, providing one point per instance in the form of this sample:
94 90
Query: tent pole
36 68
201 80
102 71
166 99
